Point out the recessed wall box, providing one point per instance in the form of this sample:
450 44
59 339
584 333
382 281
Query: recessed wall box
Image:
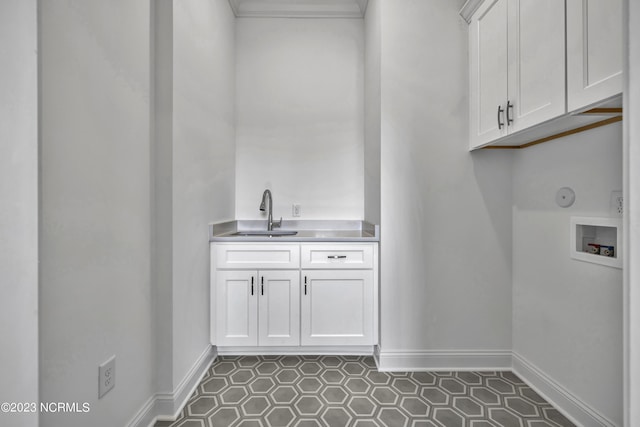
596 240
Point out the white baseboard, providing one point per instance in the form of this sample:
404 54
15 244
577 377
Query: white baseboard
429 360
167 406
358 350
564 401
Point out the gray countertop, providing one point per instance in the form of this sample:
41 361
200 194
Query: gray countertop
308 231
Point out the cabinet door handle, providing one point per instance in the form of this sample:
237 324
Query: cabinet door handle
509 108
251 285
262 285
305 285
336 256
500 111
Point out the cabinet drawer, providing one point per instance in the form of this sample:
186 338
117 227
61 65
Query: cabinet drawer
257 256
337 257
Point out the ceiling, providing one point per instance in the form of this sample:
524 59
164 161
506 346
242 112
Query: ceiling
299 8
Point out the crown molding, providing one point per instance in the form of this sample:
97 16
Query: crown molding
299 8
469 8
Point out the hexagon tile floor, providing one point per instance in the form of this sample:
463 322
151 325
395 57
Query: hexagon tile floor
332 391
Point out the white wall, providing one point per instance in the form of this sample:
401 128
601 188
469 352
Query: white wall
372 111
95 288
446 213
19 209
567 313
300 116
203 162
632 217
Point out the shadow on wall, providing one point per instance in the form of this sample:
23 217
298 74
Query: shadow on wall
497 204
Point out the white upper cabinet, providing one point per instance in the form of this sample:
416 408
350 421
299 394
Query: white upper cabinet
489 66
517 76
536 88
594 51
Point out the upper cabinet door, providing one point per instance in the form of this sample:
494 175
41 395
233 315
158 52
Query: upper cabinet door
536 55
488 74
594 51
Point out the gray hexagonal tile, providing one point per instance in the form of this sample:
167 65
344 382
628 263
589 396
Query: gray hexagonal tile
191 423
336 417
202 405
531 395
378 378
392 417
481 423
486 396
555 416
414 406
369 362
334 395
308 405
468 406
255 406
384 395
332 376
538 423
280 417
453 386
310 368
404 386
262 385
267 368
284 394
366 423
511 377
287 376
469 378
290 361
435 396
331 361
270 357
309 385
233 394
248 361
308 423
357 385
504 418
361 406
424 378
448 417
521 406
354 368
214 385
423 423
250 423
224 417
241 376
223 368
501 386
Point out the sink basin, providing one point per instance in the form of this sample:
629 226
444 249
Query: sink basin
266 233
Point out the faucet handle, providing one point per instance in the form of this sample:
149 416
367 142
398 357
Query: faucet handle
278 223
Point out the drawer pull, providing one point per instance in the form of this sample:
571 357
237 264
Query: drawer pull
336 256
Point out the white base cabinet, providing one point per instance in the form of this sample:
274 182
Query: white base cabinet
337 307
258 308
324 298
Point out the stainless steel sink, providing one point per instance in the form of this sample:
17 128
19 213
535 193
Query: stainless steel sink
265 233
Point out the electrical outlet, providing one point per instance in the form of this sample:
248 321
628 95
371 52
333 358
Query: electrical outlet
106 376
295 211
617 203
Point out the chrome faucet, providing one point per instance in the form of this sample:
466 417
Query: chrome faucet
267 196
